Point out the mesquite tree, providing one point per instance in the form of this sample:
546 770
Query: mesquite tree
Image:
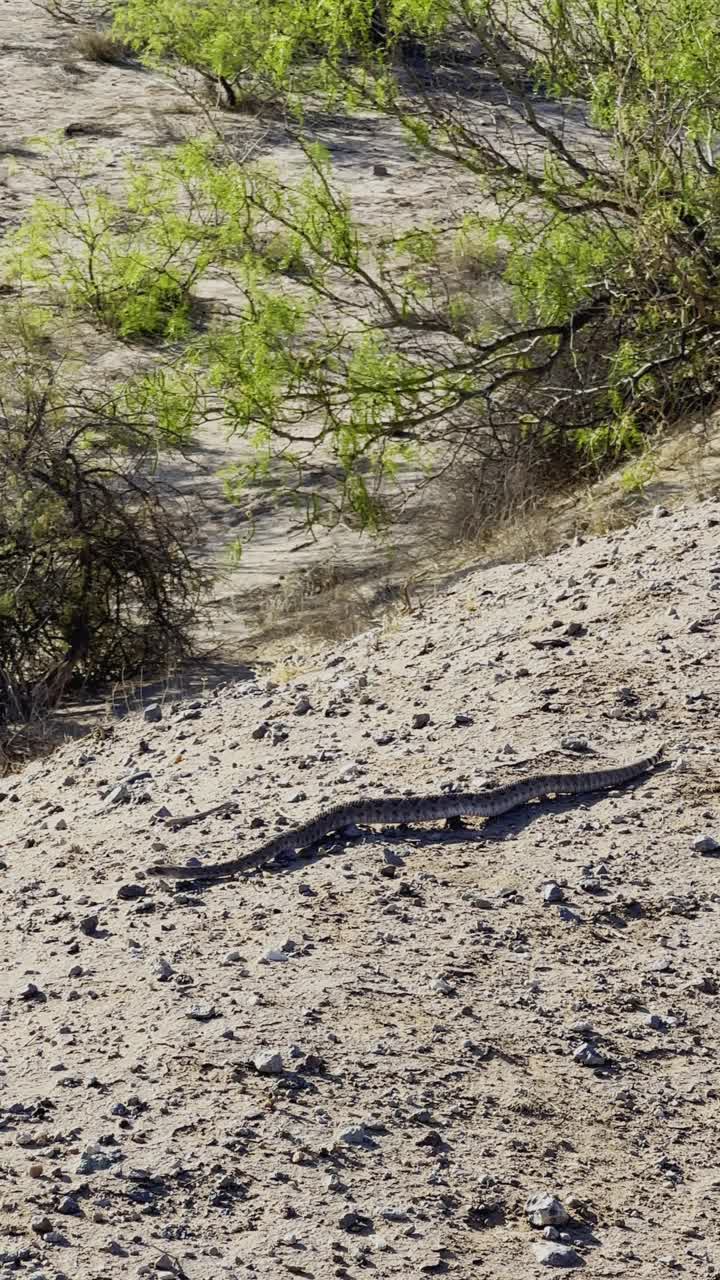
584 134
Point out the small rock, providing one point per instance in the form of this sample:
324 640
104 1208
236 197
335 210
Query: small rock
335 1183
69 1205
704 983
395 1215
582 1028
420 720
552 892
55 1237
588 1056
268 1063
129 892
393 858
162 969
274 955
41 1225
60 825
354 1222
94 1159
118 795
442 987
31 992
153 713
202 1012
88 925
302 706
706 844
655 1022
545 1210
557 1255
569 917
578 745
354 1136
380 170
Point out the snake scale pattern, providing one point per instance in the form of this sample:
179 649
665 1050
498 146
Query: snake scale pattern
432 808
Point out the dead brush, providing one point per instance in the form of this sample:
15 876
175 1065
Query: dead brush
330 601
499 484
27 730
101 46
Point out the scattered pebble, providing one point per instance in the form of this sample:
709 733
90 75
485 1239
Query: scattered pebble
202 1012
706 844
118 795
268 1063
355 1222
553 892
544 1209
442 987
353 1136
588 1056
557 1255
130 892
655 1022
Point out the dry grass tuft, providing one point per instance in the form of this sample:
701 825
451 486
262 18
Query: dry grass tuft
101 46
330 602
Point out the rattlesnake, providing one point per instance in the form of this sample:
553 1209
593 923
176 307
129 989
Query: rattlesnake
397 809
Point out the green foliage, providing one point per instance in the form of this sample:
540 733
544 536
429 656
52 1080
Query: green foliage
133 261
589 249
286 44
637 476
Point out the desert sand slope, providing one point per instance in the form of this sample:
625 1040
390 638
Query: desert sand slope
425 1001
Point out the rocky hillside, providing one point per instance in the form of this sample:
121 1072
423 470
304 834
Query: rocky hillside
367 1060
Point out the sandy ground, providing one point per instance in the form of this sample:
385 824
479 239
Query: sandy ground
425 1002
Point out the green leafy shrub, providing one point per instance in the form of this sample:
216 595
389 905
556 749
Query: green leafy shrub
278 43
592 201
131 261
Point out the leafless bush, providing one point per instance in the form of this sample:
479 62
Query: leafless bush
76 13
96 579
101 46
